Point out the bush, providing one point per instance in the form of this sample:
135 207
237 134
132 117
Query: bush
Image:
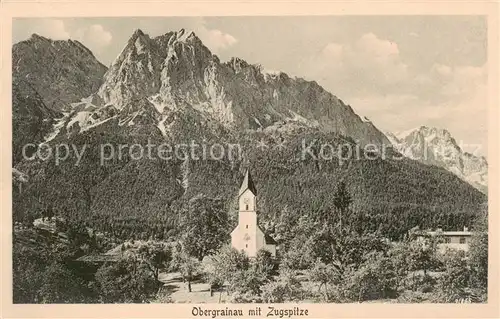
239 297
375 279
454 284
478 253
299 256
325 275
124 282
247 281
220 268
40 275
286 288
413 297
61 286
265 263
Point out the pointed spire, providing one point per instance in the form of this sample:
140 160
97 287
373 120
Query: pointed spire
247 184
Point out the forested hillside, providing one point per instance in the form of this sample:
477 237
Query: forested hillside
391 194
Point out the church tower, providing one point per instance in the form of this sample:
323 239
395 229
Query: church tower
248 236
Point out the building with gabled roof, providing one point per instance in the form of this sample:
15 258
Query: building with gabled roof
248 236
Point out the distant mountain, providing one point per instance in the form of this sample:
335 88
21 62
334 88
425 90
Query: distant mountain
47 76
61 72
437 147
172 89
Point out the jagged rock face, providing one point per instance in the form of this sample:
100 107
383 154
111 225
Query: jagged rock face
32 120
61 72
134 74
175 72
437 147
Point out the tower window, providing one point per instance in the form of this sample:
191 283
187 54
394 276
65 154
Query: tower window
246 246
246 207
247 226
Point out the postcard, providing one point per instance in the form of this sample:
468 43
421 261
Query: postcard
228 159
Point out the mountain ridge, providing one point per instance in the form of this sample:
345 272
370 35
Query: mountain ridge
438 147
74 70
175 71
47 75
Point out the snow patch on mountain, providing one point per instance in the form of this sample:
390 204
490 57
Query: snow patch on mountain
56 128
83 118
140 47
257 121
299 118
158 103
98 123
270 74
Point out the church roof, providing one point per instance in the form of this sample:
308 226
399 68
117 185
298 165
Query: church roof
247 184
269 240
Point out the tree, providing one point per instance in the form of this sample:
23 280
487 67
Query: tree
125 281
204 225
247 282
342 200
374 279
59 285
286 288
300 252
187 265
264 263
219 268
325 275
478 252
334 237
155 256
48 212
42 273
454 284
398 255
345 248
422 255
27 273
78 236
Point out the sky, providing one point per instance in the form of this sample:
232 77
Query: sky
401 72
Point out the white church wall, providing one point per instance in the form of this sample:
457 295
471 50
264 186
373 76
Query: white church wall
247 201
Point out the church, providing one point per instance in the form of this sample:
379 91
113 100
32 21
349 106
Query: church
248 236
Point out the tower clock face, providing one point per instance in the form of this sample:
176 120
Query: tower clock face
246 237
246 200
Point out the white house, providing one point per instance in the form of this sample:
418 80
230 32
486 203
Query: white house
248 236
458 240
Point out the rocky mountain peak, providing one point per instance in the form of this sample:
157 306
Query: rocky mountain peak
436 146
39 42
176 72
237 64
38 38
137 33
60 71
